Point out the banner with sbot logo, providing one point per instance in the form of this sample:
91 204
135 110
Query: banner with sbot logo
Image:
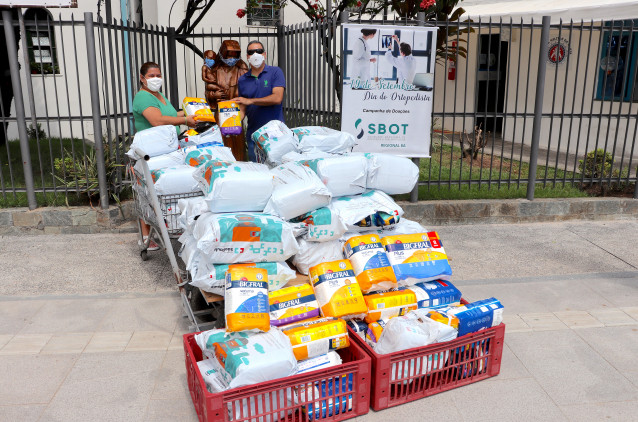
388 77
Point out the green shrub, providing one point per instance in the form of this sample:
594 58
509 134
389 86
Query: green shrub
597 163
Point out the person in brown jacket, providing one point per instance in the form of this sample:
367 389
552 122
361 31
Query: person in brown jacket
221 85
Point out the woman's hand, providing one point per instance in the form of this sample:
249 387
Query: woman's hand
190 121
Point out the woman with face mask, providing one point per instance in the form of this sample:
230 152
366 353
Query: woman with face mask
221 85
151 108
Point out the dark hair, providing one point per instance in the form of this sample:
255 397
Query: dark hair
367 32
405 48
148 66
255 42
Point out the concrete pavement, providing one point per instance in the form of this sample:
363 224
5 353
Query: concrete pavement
89 332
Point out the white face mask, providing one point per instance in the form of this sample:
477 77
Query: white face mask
256 59
154 84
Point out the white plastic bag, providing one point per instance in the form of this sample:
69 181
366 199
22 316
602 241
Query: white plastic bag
172 159
210 137
322 225
327 360
368 211
195 157
343 175
189 252
297 191
233 187
314 253
155 141
402 333
274 139
319 138
190 209
215 377
211 277
390 174
174 180
244 237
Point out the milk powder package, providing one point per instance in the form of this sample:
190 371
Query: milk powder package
317 337
417 257
199 108
251 358
370 263
215 377
359 327
319 362
229 118
172 159
206 340
274 139
322 225
314 253
436 293
477 315
389 304
174 180
155 141
337 290
195 157
342 175
391 174
319 138
212 277
292 304
235 186
372 209
188 252
246 299
297 191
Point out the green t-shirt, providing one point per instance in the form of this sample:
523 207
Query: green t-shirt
144 100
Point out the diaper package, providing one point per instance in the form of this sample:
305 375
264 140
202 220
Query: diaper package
417 257
391 174
324 139
171 159
342 175
370 263
229 118
195 157
246 299
235 186
322 225
436 293
174 180
325 361
370 210
337 290
155 141
317 336
297 191
215 377
212 277
334 394
251 358
389 304
292 304
359 327
199 108
275 139
374 331
244 237
476 316
314 253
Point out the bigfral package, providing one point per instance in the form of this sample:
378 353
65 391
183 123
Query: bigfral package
314 253
474 316
174 180
342 175
390 304
370 210
274 140
324 139
337 290
229 118
155 141
322 225
391 174
317 337
417 257
244 237
199 108
235 186
436 293
212 277
195 157
370 263
297 191
292 304
246 299
320 362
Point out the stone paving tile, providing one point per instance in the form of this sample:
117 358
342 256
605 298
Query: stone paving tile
171 380
511 366
515 324
142 314
22 413
15 314
67 343
439 407
613 317
25 344
544 321
578 319
4 339
171 410
109 342
96 366
596 412
177 341
631 311
68 316
149 340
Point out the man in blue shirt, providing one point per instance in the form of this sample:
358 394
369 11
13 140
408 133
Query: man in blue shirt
261 93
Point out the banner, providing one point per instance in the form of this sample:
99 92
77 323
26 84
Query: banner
388 76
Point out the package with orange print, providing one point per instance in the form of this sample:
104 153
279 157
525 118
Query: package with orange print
337 290
229 118
317 336
292 304
417 257
389 304
199 108
246 299
370 263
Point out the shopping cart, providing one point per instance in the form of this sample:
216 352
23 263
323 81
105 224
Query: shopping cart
161 213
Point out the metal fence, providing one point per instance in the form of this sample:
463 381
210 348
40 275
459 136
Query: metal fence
543 95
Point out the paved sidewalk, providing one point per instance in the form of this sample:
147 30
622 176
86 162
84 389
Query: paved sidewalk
89 332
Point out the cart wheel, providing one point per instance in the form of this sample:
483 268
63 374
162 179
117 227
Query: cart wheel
144 255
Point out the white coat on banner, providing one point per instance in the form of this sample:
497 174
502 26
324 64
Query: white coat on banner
387 88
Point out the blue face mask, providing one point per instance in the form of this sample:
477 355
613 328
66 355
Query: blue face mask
209 62
230 61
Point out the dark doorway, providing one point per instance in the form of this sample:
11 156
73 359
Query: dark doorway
6 90
491 80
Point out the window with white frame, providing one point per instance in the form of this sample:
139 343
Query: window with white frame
40 37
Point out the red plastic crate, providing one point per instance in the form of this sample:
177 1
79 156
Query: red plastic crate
412 374
267 401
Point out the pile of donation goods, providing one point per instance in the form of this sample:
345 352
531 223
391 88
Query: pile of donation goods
315 208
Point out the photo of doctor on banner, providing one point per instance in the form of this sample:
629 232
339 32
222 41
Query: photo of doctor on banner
387 87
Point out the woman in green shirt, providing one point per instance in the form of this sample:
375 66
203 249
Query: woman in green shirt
151 108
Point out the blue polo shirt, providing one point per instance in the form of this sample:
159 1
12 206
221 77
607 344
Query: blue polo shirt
259 87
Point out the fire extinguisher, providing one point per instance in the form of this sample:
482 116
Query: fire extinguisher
451 69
